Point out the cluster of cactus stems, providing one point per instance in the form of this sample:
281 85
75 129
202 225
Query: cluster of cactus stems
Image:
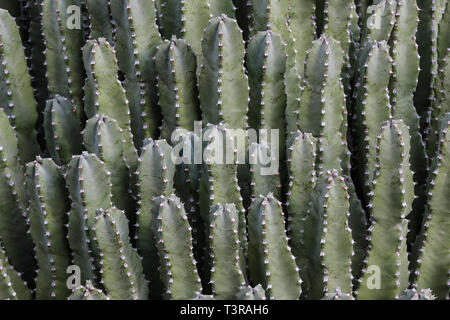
97 95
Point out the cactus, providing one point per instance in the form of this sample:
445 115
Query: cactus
48 210
136 39
174 240
391 201
227 256
62 130
88 292
271 262
178 96
89 186
11 284
16 93
223 83
123 149
433 262
328 239
155 177
63 43
121 266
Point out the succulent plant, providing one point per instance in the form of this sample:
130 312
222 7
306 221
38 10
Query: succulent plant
133 135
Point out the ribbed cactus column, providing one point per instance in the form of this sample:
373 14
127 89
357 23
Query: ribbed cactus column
323 105
270 259
14 226
302 177
403 86
433 261
104 92
440 105
89 186
62 130
266 65
178 268
372 108
249 293
121 265
88 292
136 38
223 83
16 92
100 20
49 205
328 238
169 14
219 183
380 24
177 84
391 201
155 177
226 272
12 286
63 43
104 138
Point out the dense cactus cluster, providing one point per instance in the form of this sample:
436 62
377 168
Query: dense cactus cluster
96 97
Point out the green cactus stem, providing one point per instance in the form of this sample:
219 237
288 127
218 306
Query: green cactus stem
62 130
328 238
270 259
99 20
136 38
226 273
121 265
323 105
155 177
88 292
178 93
49 205
103 137
63 42
223 82
249 293
16 93
302 177
89 186
433 260
178 269
391 201
12 287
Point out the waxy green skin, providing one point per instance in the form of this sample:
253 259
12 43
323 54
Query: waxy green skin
390 203
178 269
62 130
16 92
12 286
136 41
88 292
103 137
14 226
89 186
223 84
99 20
433 262
270 259
122 271
178 94
328 238
63 50
47 211
226 275
155 178
323 105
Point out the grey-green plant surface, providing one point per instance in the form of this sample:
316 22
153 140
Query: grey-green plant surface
224 149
